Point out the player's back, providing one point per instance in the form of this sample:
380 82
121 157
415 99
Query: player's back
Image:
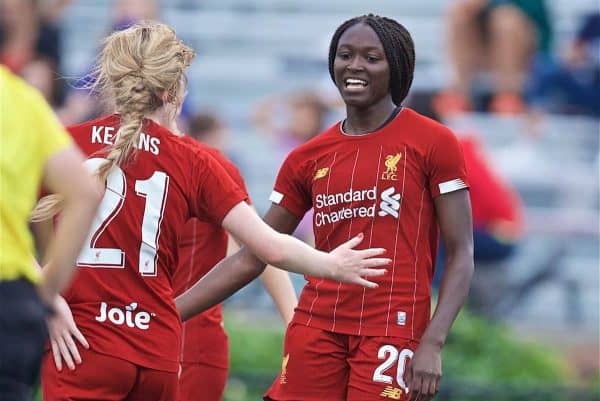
122 298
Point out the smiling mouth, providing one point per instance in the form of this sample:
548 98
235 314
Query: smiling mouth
355 83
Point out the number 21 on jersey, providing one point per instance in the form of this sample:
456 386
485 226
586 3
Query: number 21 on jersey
154 190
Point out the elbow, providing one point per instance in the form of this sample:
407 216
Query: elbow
274 256
273 253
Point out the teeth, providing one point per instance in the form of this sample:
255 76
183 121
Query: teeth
352 81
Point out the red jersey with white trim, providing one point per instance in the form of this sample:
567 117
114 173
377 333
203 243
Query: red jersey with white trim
201 246
381 184
122 296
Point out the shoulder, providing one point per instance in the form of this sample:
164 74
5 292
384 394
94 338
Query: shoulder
426 125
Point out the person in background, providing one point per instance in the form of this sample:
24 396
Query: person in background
35 151
498 214
122 298
499 36
570 85
396 176
204 345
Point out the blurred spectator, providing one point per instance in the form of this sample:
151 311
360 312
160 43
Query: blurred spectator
499 36
207 127
498 222
80 104
572 84
292 120
40 73
31 30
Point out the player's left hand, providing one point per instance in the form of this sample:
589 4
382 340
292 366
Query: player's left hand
63 331
424 372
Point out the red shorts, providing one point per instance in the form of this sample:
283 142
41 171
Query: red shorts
106 378
320 365
199 381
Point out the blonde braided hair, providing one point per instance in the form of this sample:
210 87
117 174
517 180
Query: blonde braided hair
139 70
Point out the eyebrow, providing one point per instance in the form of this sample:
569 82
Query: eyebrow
368 48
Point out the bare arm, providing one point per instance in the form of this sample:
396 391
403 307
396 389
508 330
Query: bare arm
220 283
279 286
454 218
65 175
288 253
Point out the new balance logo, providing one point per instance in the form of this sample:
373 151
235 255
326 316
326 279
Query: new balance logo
389 203
391 392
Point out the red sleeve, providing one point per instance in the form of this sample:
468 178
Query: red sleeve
292 187
446 164
232 170
214 193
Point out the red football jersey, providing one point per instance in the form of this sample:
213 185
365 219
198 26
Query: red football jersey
201 246
383 185
122 296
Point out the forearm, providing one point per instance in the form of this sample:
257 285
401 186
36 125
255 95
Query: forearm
453 293
68 241
227 277
296 256
279 286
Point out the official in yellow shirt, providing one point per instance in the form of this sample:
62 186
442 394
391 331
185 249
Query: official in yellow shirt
34 149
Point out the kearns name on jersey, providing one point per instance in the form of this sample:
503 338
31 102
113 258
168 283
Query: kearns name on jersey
107 136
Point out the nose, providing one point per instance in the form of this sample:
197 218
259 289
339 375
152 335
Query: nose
355 64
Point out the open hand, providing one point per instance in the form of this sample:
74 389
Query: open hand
424 372
351 266
63 331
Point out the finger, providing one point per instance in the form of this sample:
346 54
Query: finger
372 272
374 262
426 386
437 384
408 376
77 334
72 347
415 387
370 252
365 283
354 241
64 351
56 355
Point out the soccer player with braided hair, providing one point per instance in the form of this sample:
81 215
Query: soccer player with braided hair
400 178
122 297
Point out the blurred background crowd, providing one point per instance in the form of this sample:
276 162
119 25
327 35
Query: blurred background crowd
518 81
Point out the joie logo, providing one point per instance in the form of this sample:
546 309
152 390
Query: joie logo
129 317
389 203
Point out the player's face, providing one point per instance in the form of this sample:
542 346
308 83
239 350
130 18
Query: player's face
361 69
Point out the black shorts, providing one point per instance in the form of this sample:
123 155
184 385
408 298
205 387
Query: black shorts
23 333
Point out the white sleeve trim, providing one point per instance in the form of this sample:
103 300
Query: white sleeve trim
276 197
452 185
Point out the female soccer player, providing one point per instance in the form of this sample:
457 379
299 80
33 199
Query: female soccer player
122 298
396 176
204 343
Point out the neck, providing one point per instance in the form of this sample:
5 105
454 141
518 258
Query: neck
362 120
162 117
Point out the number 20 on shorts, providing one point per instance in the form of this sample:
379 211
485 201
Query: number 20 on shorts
390 356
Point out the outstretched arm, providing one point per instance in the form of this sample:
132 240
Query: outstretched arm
220 283
456 227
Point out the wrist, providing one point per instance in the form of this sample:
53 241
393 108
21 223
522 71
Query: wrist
430 341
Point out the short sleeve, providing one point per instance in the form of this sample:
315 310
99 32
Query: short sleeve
446 165
52 137
214 192
233 172
292 188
